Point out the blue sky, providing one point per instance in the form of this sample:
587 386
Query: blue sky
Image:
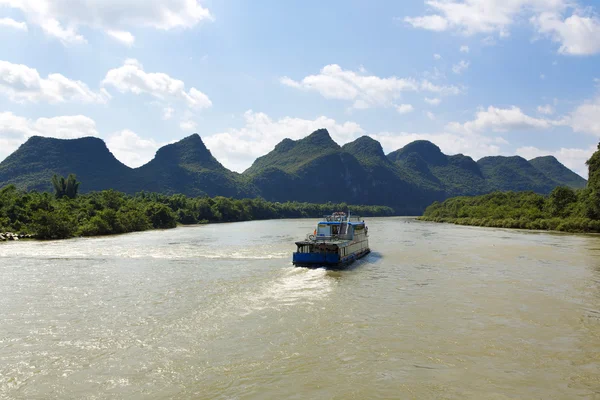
479 77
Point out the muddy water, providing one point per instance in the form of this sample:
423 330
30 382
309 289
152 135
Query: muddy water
218 312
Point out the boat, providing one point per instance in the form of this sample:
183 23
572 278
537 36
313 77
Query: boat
338 241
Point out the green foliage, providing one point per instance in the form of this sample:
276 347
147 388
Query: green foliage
514 173
553 169
55 222
594 184
111 212
290 155
313 169
560 202
563 210
65 187
161 216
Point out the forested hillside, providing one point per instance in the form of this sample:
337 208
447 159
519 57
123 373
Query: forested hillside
313 169
564 209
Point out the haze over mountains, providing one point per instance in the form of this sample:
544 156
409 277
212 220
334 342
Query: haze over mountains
314 169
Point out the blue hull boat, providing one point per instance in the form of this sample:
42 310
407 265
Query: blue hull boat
338 241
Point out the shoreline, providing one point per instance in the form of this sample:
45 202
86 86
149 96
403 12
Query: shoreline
10 236
520 225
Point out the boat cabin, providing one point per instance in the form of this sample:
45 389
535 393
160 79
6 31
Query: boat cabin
337 226
337 240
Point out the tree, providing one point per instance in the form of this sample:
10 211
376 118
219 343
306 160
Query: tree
161 216
65 187
559 201
594 183
58 223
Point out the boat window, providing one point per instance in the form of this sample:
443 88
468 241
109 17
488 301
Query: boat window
323 230
335 229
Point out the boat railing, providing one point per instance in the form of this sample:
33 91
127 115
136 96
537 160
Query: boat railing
311 237
341 218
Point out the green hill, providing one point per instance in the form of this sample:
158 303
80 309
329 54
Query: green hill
564 209
188 167
290 155
34 163
556 171
514 173
313 169
454 175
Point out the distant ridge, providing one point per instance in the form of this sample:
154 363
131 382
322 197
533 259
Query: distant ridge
32 165
314 169
556 171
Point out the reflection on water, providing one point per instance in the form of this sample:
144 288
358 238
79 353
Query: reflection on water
217 311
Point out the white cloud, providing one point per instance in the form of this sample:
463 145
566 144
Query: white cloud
464 49
405 108
430 115
365 91
433 101
435 74
238 148
575 27
502 120
62 18
131 149
542 76
480 16
122 36
132 78
437 56
52 27
11 23
21 84
586 117
546 110
187 125
429 22
168 113
577 34
14 130
572 158
441 90
460 67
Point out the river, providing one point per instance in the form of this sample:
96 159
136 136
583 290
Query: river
218 312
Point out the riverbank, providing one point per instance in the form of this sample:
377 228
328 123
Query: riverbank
43 216
571 225
564 210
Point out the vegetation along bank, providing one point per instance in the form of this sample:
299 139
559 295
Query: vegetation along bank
65 213
564 209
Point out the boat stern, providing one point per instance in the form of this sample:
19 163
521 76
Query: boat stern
315 259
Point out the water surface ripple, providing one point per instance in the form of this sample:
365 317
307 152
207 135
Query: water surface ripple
218 312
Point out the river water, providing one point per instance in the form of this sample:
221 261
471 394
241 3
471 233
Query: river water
218 312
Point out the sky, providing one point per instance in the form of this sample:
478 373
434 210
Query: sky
478 77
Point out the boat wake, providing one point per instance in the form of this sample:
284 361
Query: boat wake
296 286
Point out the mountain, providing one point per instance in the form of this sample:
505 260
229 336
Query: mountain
311 169
34 163
386 179
185 167
556 171
314 169
514 173
456 175
290 155
188 167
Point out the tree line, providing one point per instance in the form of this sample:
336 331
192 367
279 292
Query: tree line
564 209
65 213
